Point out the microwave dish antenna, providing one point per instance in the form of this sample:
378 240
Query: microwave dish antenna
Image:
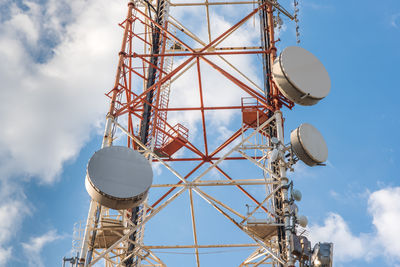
300 76
118 177
309 145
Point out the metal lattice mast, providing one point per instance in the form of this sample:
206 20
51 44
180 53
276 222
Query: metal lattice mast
140 110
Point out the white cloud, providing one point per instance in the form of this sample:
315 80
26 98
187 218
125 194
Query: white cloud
346 245
384 206
13 210
34 247
383 241
52 106
11 214
24 24
5 255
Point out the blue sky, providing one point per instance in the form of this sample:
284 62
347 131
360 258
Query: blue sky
59 57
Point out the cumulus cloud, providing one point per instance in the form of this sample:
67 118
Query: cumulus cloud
11 214
347 246
33 248
382 241
5 255
54 88
384 206
13 210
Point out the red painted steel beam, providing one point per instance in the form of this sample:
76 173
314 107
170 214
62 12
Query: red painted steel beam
135 55
199 159
141 97
199 108
128 25
188 145
203 120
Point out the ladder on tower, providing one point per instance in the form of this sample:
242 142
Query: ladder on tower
167 140
163 104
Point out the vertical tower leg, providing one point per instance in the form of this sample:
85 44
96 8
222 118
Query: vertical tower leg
284 193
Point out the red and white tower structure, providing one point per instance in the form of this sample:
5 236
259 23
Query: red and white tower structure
202 102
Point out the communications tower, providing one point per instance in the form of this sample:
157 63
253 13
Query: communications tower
194 169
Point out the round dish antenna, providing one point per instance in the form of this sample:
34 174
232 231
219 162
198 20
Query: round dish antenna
300 76
302 220
297 195
118 177
309 145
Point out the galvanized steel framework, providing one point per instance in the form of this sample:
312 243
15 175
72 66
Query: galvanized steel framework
152 41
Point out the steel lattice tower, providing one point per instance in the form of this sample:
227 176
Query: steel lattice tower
158 50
